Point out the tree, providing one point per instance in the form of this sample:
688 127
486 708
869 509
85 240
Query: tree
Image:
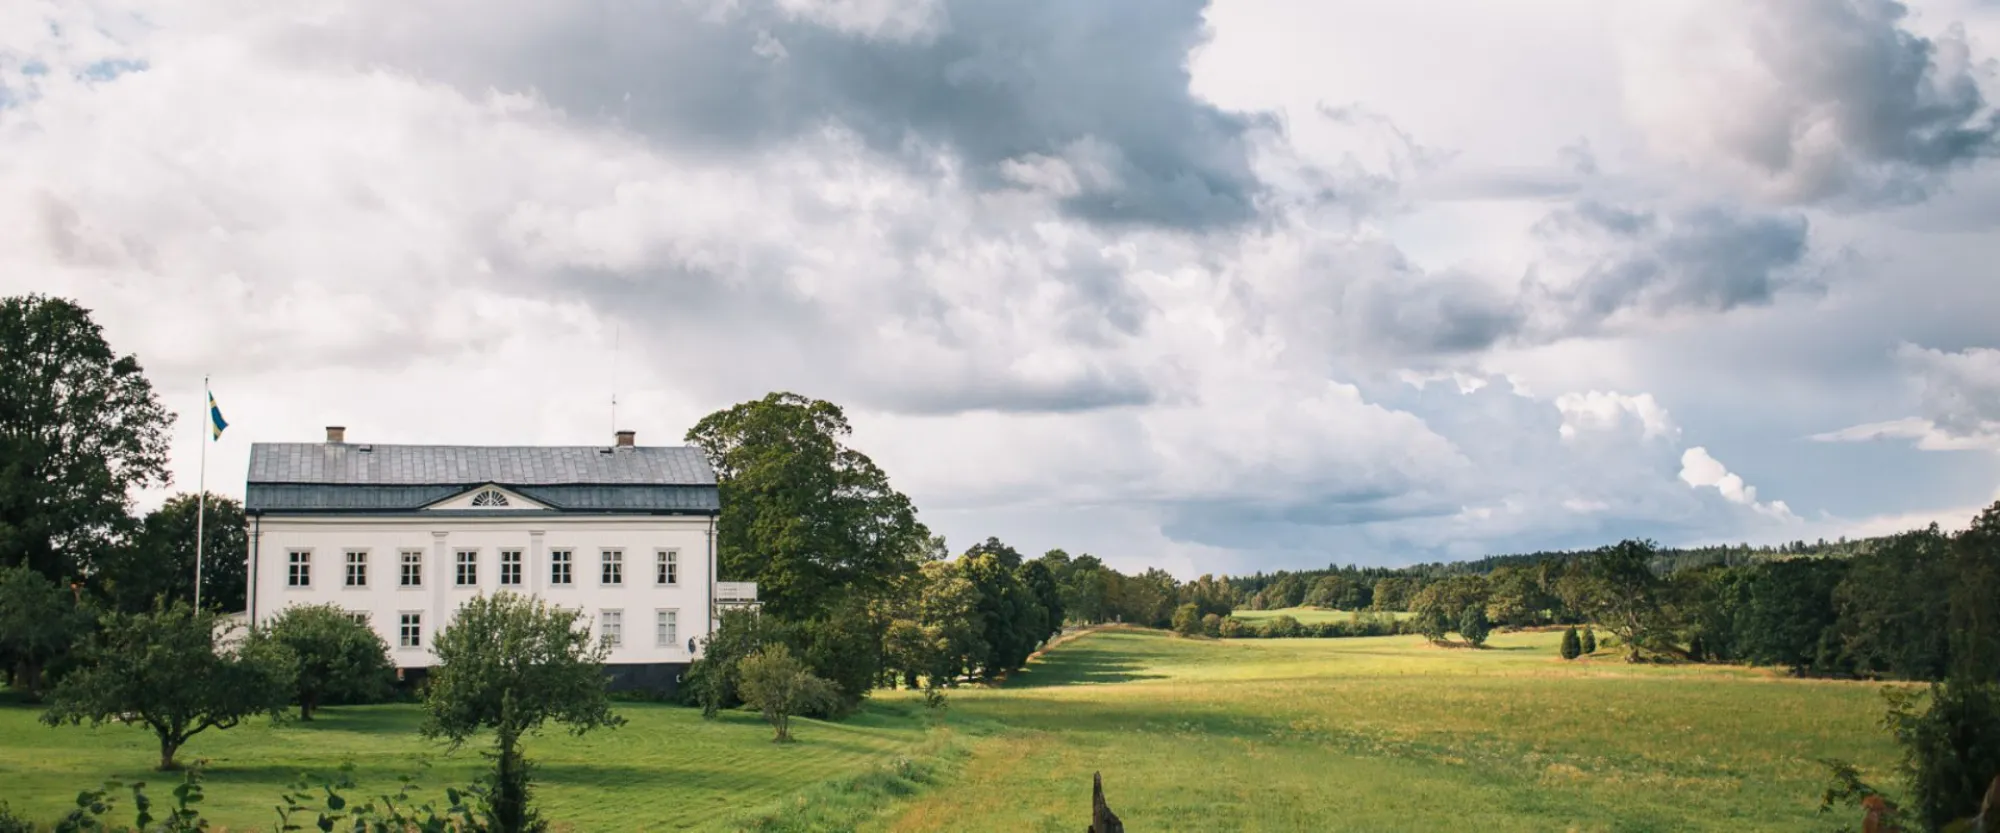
1211 625
1187 619
1625 595
1589 641
1394 593
1974 618
171 669
80 430
159 560
334 657
803 515
1571 646
1041 583
1473 626
777 684
1893 607
1010 622
711 681
1788 609
40 622
511 664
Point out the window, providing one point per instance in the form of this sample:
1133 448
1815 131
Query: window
468 568
667 567
413 568
666 627
357 568
510 567
614 567
359 617
559 562
300 570
489 497
611 626
410 634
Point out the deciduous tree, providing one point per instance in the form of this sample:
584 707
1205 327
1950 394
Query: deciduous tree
80 431
779 685
159 560
40 622
171 669
334 657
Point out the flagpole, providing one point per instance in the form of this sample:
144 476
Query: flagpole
201 497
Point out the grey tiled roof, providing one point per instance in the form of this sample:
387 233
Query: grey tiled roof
464 465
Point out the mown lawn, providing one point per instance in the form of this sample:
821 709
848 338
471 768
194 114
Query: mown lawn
1378 734
1309 615
666 769
1390 733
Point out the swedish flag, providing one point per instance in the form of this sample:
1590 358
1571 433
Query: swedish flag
215 420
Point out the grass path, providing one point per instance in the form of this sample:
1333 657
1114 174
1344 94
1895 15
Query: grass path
1313 615
1391 734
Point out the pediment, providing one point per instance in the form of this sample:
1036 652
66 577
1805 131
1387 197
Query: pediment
487 498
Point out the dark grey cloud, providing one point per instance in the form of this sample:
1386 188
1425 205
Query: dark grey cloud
991 81
1850 106
1708 259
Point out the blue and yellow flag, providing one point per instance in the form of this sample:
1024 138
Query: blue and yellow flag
215 421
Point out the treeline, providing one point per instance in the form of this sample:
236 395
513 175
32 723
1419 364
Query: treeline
1393 588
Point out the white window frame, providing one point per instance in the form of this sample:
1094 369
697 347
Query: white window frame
459 563
667 627
407 578
359 617
611 627
405 640
611 567
519 563
566 559
667 568
348 573
298 569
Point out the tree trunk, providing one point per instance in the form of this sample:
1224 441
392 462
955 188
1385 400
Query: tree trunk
168 746
307 705
910 680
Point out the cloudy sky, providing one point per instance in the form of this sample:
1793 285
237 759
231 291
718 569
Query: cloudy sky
1211 286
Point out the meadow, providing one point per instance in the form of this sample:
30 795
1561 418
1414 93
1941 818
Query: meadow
1385 733
1311 615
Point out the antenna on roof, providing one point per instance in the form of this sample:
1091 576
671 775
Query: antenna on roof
615 331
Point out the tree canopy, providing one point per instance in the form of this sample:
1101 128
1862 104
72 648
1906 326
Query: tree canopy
159 559
80 430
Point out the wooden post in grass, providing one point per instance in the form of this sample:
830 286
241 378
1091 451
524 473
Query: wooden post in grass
1102 820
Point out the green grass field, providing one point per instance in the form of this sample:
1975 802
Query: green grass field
1306 615
1372 734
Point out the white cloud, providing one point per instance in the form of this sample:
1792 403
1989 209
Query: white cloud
1958 394
1699 469
1605 411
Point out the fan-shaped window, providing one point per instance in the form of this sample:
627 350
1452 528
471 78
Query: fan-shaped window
489 497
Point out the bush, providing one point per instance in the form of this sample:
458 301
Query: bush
1951 746
1211 625
1233 628
1571 646
1187 619
776 683
10 823
1589 641
1472 625
1282 627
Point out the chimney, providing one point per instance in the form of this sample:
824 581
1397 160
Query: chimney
336 434
625 439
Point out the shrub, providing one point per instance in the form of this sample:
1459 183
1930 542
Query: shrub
1187 619
776 683
1211 625
1282 627
1571 646
1472 625
1589 641
1233 628
1951 746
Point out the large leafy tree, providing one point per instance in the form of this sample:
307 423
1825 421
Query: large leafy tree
1625 596
335 659
173 670
80 429
511 664
40 621
160 560
1893 608
806 517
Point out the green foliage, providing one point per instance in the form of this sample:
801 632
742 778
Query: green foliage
1283 627
1950 737
1211 625
167 669
511 663
1187 620
1589 641
780 686
1011 621
323 804
1893 607
935 635
93 807
1571 646
1974 599
80 430
159 561
11 823
1040 582
1787 610
711 681
40 622
1625 596
1445 606
335 659
804 516
1473 626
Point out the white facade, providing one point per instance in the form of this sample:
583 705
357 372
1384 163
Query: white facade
654 621
401 536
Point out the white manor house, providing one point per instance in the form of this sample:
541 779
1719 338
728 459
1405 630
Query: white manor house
400 535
